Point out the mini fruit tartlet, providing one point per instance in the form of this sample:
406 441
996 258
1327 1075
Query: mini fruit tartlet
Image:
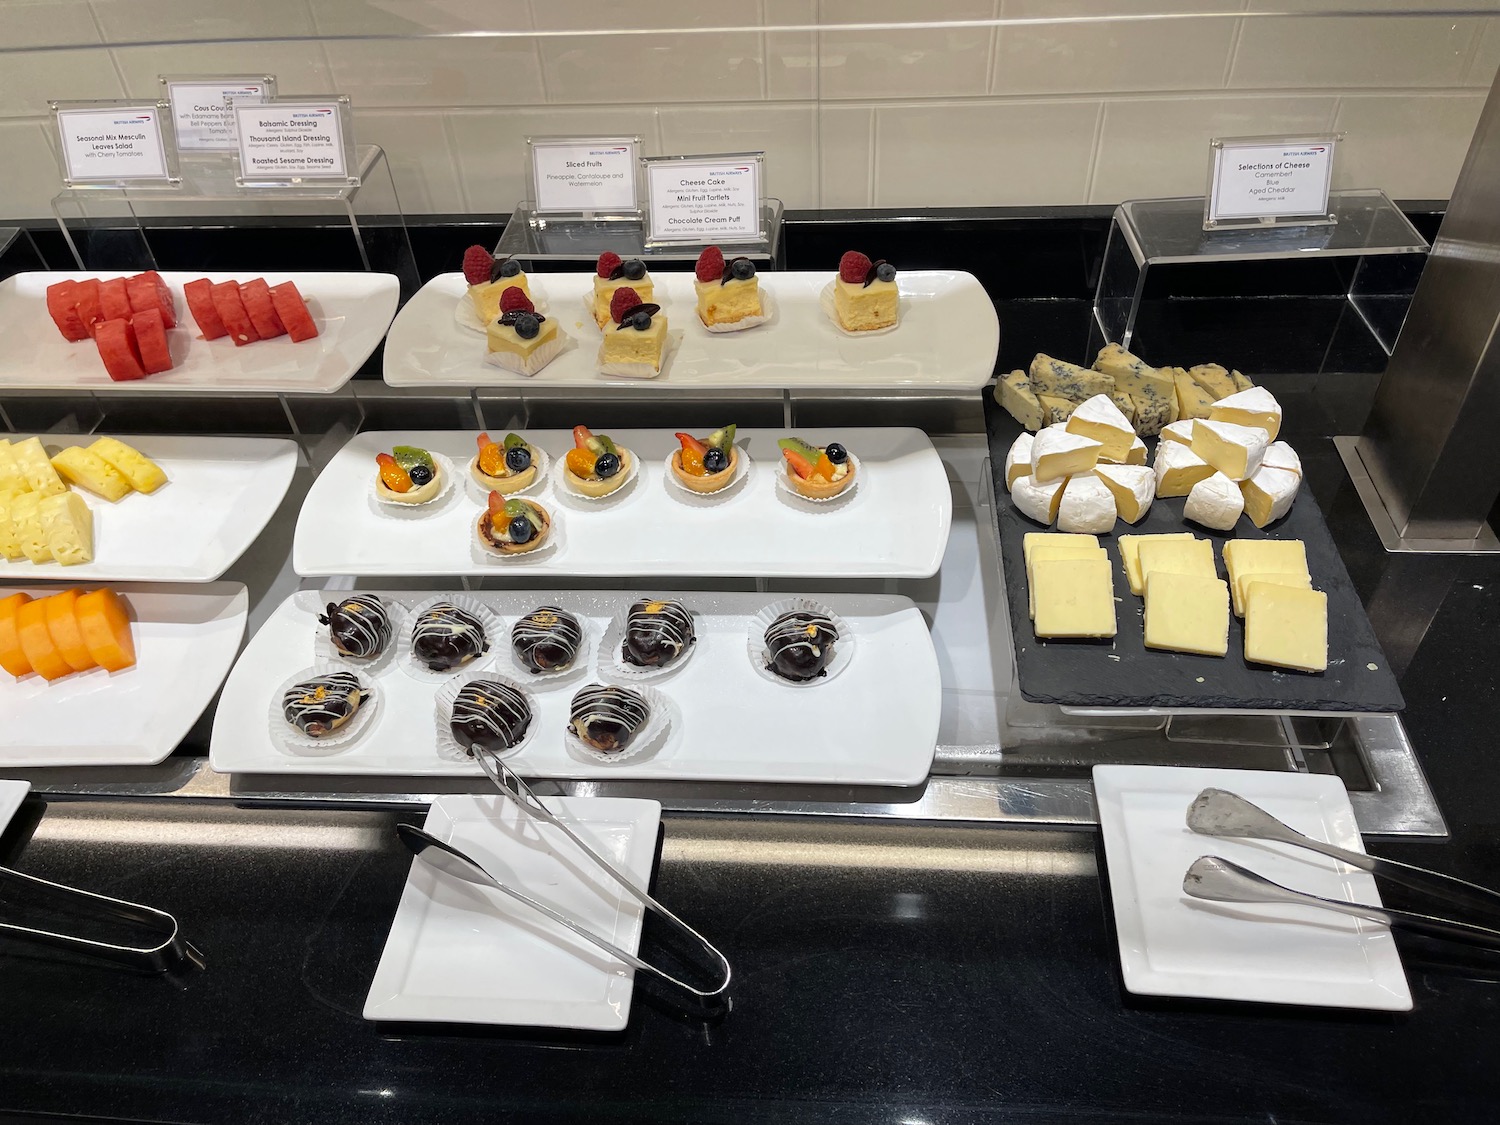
610 273
817 472
521 339
728 292
708 465
596 466
864 294
407 475
489 277
636 340
511 526
505 467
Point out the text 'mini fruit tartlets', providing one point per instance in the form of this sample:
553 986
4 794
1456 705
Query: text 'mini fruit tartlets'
817 472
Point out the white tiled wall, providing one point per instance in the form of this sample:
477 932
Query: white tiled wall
858 103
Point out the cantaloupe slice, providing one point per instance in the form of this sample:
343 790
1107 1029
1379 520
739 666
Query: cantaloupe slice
36 642
12 657
104 622
66 635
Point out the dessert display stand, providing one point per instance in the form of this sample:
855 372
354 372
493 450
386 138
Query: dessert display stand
1379 251
543 240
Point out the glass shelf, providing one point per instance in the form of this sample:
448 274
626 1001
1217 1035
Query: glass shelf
548 238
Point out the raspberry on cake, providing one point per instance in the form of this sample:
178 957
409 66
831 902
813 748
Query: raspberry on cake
636 340
489 277
521 339
728 292
610 275
864 295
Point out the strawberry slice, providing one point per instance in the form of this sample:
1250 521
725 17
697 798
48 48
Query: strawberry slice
483 440
798 463
690 442
582 435
497 509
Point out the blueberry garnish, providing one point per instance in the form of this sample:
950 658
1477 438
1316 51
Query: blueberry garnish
742 269
715 461
504 267
634 269
836 453
518 458
884 271
520 530
607 465
420 475
527 326
640 320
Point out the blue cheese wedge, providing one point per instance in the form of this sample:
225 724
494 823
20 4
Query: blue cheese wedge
1152 391
1067 380
1014 393
1213 379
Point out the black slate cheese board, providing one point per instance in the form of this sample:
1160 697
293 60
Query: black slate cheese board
1124 673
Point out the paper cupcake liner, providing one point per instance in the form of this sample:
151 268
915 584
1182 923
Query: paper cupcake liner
414 668
447 746
642 370
843 649
825 299
294 741
564 488
325 653
398 510
467 316
484 553
786 488
651 739
613 665
533 363
682 492
768 311
524 675
539 461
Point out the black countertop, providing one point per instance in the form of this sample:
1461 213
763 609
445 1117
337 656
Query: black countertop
885 972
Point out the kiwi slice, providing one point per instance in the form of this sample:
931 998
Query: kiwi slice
722 440
514 508
801 448
409 456
513 441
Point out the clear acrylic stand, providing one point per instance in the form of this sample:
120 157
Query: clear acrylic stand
544 238
1148 233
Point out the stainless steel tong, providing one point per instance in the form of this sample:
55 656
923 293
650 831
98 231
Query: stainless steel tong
451 861
1217 812
161 950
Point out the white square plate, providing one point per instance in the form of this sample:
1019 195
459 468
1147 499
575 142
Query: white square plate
893 525
220 494
461 953
1173 945
947 338
730 723
12 793
352 312
186 638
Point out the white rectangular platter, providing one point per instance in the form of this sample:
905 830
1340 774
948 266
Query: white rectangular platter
220 494
459 953
730 723
946 339
186 638
352 312
894 524
1173 945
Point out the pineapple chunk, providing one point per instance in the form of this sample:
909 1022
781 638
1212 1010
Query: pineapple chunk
86 469
11 477
37 468
143 473
26 526
68 525
10 546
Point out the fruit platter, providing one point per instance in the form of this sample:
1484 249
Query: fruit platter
173 332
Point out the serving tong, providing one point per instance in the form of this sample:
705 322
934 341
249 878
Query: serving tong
1218 812
162 950
451 861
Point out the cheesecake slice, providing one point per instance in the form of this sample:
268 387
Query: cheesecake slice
865 297
635 337
728 292
612 274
